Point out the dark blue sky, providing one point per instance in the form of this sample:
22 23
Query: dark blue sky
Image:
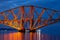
9 4
52 4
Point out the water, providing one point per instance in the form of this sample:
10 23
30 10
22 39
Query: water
15 35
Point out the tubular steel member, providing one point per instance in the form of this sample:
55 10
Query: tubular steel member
5 18
38 19
22 18
33 25
14 15
49 21
31 17
14 22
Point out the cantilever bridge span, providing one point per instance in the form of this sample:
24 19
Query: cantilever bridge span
29 17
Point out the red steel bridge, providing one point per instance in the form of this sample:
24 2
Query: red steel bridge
30 17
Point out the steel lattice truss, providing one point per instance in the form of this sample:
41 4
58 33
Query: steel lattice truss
29 17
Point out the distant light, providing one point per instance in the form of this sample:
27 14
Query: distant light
39 34
5 30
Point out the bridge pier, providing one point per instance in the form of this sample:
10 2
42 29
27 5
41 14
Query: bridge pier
32 30
22 30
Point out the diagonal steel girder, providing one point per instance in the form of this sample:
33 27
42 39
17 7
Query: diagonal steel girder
39 22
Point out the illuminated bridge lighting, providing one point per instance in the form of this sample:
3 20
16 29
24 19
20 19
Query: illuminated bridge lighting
29 16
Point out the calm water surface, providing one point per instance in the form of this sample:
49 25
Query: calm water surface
14 35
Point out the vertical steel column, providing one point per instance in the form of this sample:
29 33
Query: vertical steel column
5 18
22 18
31 17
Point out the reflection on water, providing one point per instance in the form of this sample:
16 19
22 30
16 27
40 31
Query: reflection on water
26 36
